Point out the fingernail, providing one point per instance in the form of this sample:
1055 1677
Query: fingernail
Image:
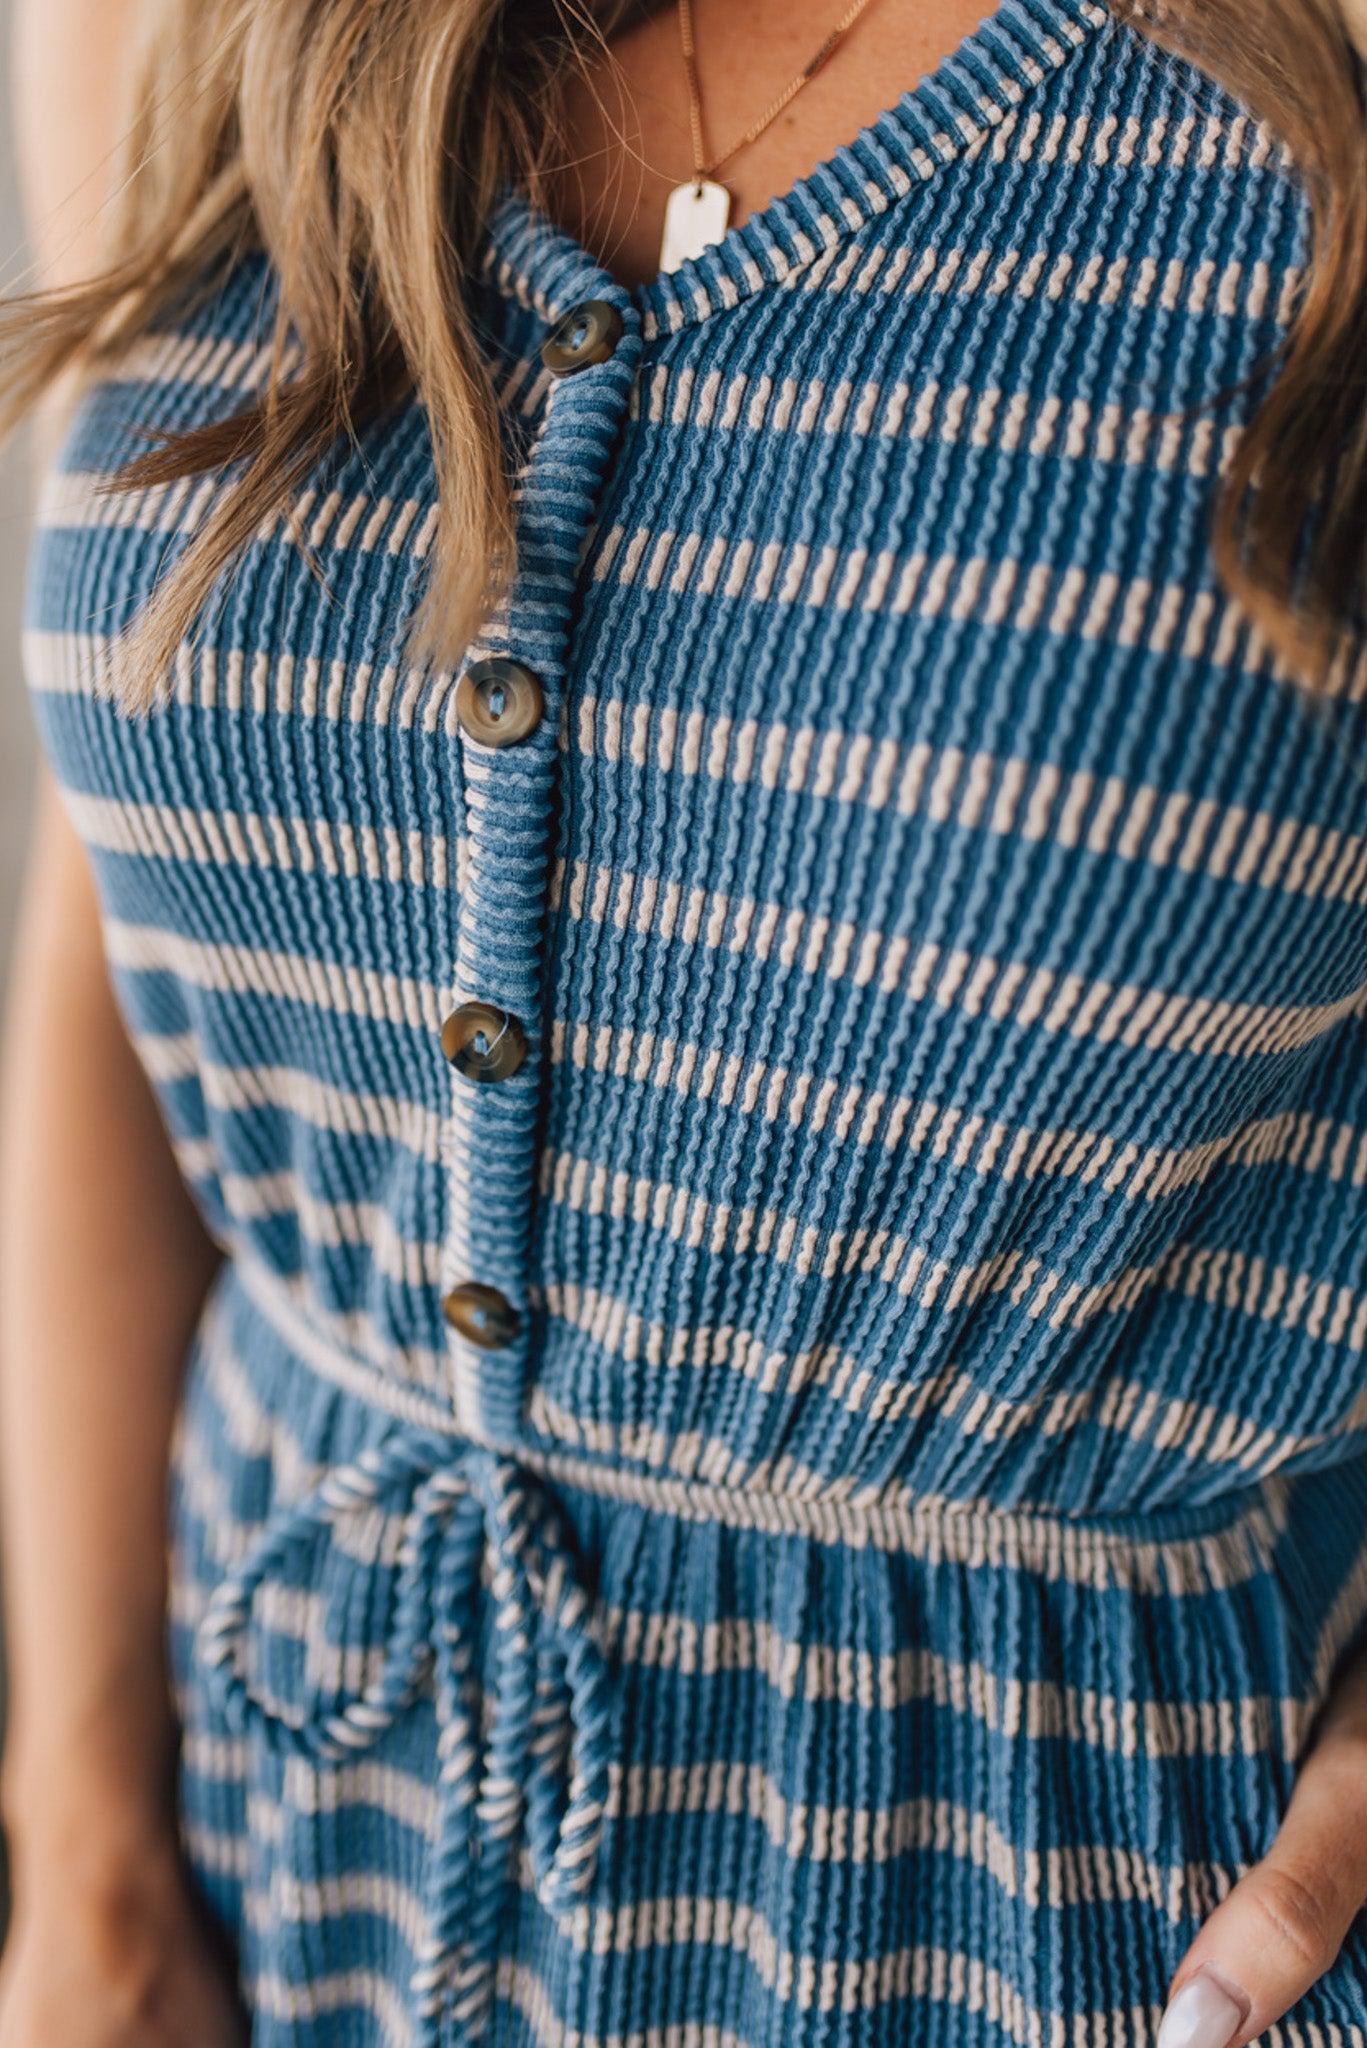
1203 2015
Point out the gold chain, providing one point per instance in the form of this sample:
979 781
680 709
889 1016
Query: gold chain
701 168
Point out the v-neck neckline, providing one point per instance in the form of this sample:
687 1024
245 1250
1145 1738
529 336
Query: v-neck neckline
996 67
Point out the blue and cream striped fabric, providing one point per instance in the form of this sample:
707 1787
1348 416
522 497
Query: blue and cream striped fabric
878 1593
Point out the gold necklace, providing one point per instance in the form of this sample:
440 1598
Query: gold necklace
698 212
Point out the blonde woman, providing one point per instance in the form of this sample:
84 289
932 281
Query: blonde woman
683 1275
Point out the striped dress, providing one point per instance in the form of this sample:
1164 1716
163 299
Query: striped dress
779 1454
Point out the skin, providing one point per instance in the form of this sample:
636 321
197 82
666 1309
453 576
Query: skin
628 139
104 1264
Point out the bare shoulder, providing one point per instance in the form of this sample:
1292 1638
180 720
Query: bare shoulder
71 79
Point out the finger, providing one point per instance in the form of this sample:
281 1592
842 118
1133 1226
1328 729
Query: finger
1284 1922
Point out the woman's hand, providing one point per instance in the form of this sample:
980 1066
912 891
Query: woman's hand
1284 1922
109 1950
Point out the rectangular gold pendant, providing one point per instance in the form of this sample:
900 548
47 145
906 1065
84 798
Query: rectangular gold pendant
696 216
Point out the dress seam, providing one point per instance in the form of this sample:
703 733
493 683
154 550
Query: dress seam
1172 1550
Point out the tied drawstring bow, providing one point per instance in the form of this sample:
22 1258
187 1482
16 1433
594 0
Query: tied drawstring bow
550 1694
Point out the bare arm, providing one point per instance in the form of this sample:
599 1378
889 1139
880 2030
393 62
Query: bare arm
103 1265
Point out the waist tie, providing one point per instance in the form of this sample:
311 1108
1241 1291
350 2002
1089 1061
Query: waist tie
546 1759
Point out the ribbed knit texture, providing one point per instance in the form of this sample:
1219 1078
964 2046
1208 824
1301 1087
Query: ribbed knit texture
882 1593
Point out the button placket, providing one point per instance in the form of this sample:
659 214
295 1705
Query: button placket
508 708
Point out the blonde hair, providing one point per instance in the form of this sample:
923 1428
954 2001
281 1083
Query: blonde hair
361 144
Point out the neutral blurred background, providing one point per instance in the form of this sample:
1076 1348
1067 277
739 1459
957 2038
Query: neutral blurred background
16 742
16 755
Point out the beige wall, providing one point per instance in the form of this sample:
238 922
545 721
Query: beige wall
16 750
